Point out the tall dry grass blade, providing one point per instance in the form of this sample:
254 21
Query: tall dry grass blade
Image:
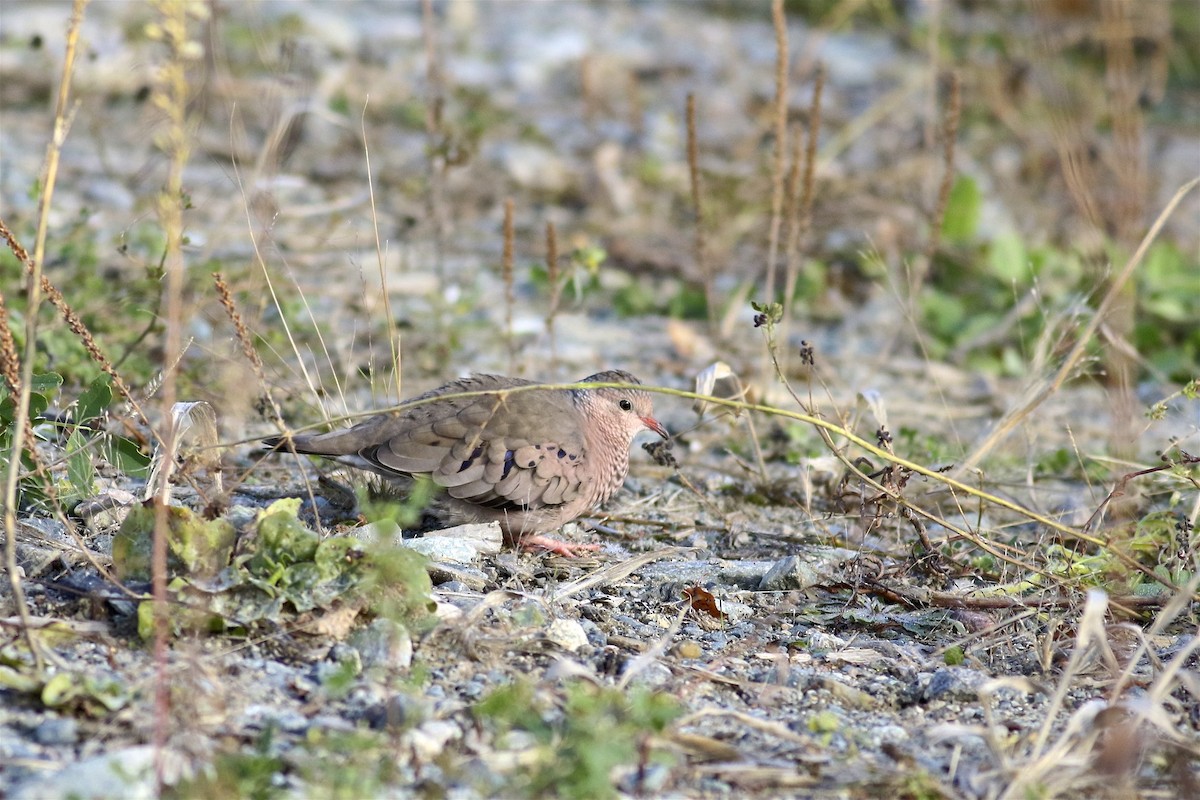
801 193
698 242
778 172
33 288
251 356
1127 213
950 122
779 21
636 110
506 270
310 380
389 323
170 95
587 89
23 440
552 277
434 101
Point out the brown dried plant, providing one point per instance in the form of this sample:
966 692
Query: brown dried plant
506 270
33 289
699 243
552 277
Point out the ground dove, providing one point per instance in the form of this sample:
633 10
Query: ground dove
530 460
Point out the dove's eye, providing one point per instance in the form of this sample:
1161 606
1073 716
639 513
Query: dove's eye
625 405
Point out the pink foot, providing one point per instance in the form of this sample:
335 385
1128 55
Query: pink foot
534 543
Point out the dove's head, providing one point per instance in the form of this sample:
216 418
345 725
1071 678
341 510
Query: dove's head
620 413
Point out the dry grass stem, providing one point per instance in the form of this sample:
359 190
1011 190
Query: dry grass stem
435 92
33 288
1127 210
698 242
246 342
949 140
778 164
637 112
801 194
778 169
552 277
170 95
393 334
587 88
506 268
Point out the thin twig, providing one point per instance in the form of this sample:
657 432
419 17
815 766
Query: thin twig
33 288
801 179
434 100
389 323
171 97
552 277
699 243
778 164
506 267
949 140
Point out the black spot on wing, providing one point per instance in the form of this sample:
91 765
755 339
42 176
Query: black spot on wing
509 463
504 504
471 460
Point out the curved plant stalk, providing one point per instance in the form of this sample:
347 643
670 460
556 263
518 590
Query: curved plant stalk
33 284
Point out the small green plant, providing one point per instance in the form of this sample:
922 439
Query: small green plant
975 283
283 569
347 765
250 775
406 511
80 434
577 739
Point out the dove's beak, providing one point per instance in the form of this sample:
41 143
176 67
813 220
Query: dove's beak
654 425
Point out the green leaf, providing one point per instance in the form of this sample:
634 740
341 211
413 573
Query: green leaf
94 401
81 472
196 545
282 538
962 211
126 455
92 694
47 383
43 388
1008 260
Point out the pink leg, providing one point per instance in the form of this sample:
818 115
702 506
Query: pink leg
534 543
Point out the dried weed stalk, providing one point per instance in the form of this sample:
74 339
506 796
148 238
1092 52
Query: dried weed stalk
170 95
552 277
778 169
506 270
800 193
949 139
435 98
699 244
635 107
911 510
23 390
393 333
246 342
